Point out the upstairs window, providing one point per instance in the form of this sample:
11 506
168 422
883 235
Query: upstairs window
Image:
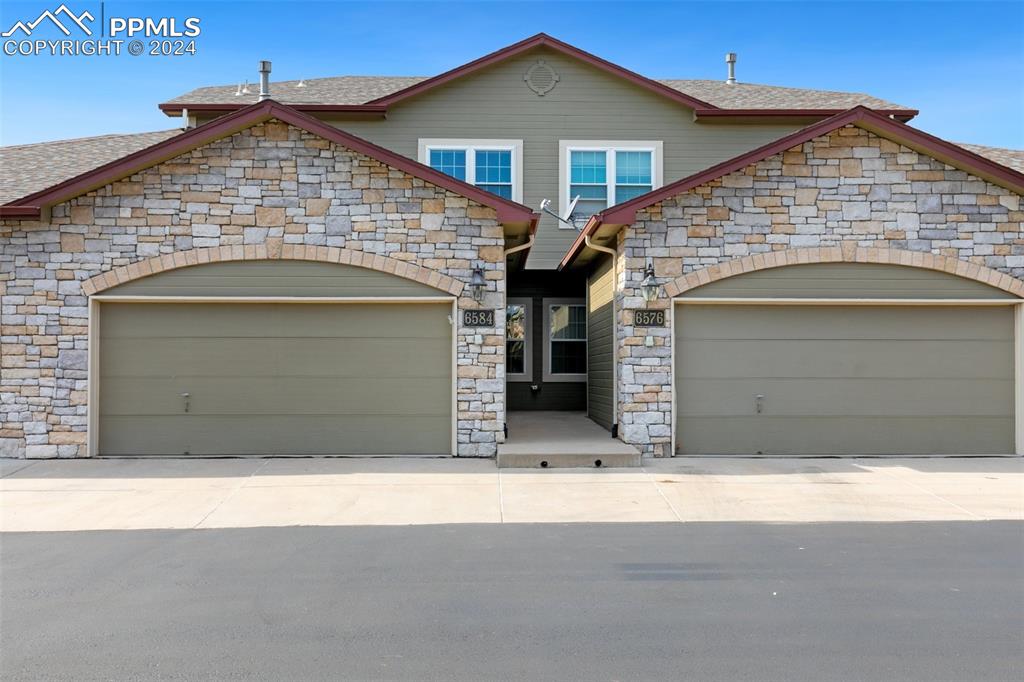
633 175
588 181
450 162
492 165
603 174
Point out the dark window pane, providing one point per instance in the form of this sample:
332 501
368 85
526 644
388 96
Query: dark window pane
515 357
568 322
568 357
515 321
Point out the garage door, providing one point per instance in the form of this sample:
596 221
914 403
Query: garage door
279 378
273 378
831 379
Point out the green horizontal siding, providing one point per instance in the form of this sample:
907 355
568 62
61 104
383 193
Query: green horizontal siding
600 345
586 104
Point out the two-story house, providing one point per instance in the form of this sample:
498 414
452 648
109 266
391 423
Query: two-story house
392 265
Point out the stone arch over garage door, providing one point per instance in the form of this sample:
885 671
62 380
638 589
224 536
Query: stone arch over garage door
277 356
844 358
324 254
845 254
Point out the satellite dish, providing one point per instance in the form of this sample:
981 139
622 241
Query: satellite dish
576 222
567 216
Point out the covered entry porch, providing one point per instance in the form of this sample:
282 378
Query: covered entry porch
561 439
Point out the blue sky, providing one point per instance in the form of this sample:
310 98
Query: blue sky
960 63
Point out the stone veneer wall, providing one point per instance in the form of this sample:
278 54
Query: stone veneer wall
270 190
850 192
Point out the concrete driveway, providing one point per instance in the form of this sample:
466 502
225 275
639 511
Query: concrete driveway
111 494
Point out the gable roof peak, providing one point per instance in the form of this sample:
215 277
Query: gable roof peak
863 117
32 206
535 41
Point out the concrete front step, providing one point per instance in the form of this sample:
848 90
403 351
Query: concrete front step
559 440
518 460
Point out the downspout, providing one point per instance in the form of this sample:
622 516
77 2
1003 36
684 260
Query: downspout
521 247
615 330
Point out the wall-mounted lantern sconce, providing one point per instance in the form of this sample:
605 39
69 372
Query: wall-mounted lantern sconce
649 287
477 285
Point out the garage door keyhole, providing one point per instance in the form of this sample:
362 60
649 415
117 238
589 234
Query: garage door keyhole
185 396
759 403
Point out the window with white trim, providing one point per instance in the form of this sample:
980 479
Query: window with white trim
518 349
565 336
493 165
604 174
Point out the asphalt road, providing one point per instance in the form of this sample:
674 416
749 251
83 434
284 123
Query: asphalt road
927 601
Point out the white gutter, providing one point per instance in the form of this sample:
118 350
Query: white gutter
615 329
521 247
509 252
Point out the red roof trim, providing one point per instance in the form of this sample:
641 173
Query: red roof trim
542 40
625 213
31 205
176 108
20 211
902 114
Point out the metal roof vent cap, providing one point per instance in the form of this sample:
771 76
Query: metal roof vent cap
264 81
730 59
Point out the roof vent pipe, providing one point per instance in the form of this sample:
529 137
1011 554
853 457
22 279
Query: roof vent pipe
730 59
264 80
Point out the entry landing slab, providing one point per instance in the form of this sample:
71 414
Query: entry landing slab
560 440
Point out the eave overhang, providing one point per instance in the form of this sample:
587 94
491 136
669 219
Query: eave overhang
780 115
347 110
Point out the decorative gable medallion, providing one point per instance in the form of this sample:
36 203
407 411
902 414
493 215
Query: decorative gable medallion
541 78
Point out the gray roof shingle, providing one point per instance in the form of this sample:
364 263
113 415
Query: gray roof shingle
28 168
1011 158
363 89
753 96
336 90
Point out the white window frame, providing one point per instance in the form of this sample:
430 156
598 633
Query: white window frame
527 374
427 145
567 147
548 303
